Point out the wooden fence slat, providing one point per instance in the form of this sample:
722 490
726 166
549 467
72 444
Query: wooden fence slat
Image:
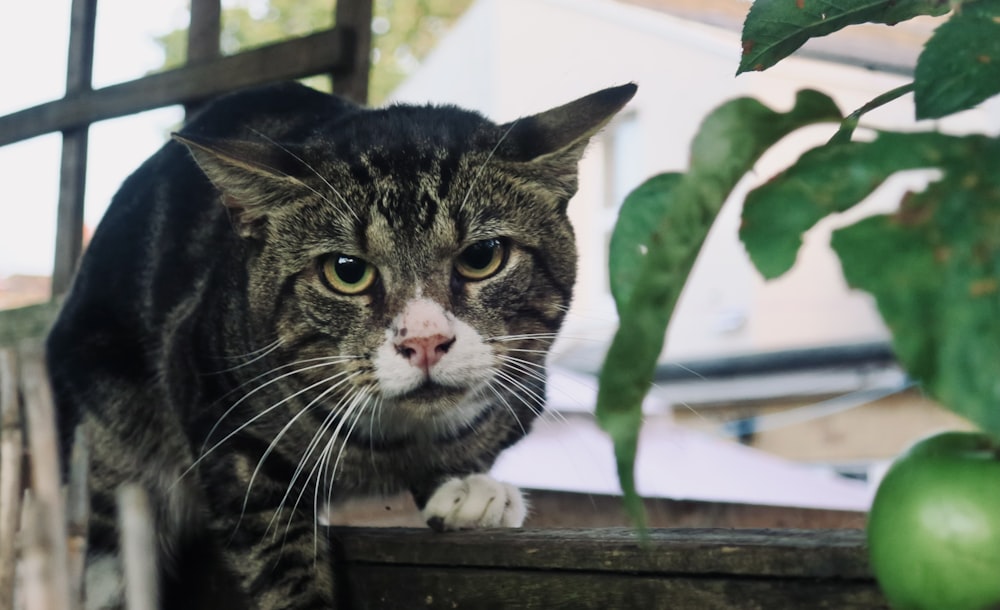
138 548
78 513
46 483
11 457
327 51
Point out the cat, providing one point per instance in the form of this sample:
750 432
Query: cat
298 300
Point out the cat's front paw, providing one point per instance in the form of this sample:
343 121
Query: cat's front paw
474 501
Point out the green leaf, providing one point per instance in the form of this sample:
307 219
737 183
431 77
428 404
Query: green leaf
730 140
825 180
960 65
774 29
933 267
630 241
934 270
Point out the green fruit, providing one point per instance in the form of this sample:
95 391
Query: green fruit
934 527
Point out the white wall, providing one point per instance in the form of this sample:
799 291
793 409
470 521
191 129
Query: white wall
509 58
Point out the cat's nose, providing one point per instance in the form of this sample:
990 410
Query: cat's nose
425 352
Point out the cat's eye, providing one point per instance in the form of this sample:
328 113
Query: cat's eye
347 274
482 259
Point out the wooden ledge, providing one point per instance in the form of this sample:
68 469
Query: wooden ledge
604 568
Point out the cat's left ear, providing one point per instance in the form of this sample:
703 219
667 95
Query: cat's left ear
253 178
555 139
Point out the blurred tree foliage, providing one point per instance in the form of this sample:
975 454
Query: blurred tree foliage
403 33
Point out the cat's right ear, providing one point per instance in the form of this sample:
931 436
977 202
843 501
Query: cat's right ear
252 177
553 141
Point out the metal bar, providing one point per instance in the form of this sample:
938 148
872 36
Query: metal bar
785 361
327 51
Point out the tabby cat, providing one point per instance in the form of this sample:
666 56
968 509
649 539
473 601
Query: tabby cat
299 300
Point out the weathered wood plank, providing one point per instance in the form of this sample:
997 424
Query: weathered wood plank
404 588
838 554
327 51
48 531
138 547
78 511
679 569
11 457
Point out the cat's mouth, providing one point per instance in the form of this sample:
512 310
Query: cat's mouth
428 410
431 392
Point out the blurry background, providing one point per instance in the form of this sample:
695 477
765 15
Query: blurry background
776 403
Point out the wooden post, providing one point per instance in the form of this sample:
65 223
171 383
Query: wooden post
73 175
352 82
203 38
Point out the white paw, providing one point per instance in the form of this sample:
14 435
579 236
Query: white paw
477 500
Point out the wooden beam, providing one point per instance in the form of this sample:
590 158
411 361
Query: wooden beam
73 171
352 83
327 51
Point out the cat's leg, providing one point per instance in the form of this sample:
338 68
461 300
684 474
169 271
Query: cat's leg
474 501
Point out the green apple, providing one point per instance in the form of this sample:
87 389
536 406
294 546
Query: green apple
934 526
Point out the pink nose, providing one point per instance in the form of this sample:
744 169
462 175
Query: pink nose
425 352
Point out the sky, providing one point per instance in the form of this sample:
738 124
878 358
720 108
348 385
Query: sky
33 43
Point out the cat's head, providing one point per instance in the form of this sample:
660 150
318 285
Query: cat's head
416 261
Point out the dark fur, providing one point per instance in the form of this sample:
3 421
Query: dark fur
185 279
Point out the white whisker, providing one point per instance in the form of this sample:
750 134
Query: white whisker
314 442
524 393
506 403
256 356
281 433
325 361
251 420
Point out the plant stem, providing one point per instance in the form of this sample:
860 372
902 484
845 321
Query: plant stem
850 122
